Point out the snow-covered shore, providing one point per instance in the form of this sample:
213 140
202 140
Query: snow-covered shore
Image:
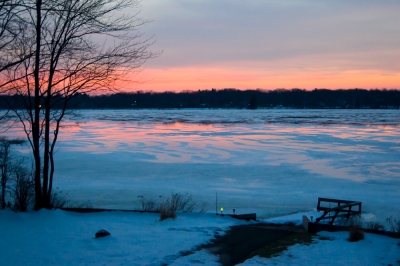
65 238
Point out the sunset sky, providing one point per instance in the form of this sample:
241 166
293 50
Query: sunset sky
271 44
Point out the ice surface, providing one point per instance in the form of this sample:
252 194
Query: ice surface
268 161
234 116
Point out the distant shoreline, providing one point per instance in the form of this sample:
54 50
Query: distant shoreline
231 99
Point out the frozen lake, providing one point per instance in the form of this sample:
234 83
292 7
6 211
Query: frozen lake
269 161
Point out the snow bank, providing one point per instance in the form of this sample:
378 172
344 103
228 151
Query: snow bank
67 238
373 250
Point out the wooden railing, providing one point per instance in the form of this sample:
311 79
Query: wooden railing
340 208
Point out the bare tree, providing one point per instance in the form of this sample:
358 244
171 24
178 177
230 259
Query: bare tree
6 165
79 46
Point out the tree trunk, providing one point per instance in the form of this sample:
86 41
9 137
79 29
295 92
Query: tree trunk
3 193
36 123
45 192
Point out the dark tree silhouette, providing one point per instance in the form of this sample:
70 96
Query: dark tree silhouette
253 104
229 98
78 46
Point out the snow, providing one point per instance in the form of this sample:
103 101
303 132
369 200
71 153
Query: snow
65 238
373 250
296 218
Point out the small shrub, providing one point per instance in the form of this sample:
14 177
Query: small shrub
354 220
22 192
182 202
393 224
351 221
9 165
169 206
57 199
176 202
355 233
203 207
149 205
374 226
167 210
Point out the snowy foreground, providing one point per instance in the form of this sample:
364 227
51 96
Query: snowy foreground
66 238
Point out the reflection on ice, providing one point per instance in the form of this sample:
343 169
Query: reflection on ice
273 161
261 116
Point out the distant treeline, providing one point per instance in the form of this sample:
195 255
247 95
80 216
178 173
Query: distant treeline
232 98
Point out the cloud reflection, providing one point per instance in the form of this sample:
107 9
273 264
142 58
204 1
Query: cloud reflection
339 151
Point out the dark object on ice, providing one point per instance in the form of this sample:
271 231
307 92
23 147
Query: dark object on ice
102 233
247 217
355 233
343 208
90 210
